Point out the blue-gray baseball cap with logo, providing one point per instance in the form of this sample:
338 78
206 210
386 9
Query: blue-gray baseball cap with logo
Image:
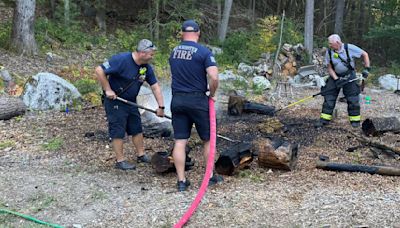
190 26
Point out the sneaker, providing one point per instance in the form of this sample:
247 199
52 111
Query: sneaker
215 179
143 159
183 185
124 165
321 123
355 124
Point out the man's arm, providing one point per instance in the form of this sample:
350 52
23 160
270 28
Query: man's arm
212 73
159 98
365 57
102 78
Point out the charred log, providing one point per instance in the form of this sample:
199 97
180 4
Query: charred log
238 104
278 154
235 157
11 107
378 126
382 170
163 162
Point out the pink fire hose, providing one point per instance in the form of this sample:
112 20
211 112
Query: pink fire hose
209 169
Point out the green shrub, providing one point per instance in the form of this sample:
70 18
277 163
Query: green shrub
87 85
5 34
54 144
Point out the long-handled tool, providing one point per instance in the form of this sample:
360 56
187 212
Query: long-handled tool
317 94
166 116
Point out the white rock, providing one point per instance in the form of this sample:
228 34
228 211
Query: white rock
49 91
261 82
245 69
389 82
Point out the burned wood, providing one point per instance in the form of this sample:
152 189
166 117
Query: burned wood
374 143
11 107
163 162
235 157
238 104
378 126
282 155
382 170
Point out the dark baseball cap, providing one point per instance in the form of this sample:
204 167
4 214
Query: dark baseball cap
190 26
146 45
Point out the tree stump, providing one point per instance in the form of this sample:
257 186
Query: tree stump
11 107
277 154
235 157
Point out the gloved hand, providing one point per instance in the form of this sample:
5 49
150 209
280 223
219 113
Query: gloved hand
340 82
365 72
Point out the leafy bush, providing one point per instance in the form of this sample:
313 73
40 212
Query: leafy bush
5 34
87 85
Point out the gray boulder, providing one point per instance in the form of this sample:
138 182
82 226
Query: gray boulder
388 82
48 91
261 82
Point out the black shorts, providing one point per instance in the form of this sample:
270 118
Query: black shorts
188 109
122 118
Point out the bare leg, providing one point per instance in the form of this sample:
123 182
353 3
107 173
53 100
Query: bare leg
206 151
179 156
138 142
118 149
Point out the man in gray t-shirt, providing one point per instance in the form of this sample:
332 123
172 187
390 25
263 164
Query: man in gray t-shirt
340 61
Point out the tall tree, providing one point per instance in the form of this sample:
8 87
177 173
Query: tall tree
23 35
67 12
309 28
225 20
101 7
339 17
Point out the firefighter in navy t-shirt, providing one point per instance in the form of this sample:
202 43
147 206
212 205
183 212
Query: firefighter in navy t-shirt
126 73
191 63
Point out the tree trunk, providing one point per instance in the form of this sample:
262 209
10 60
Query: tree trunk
225 20
361 20
11 107
66 12
309 28
53 8
219 15
339 17
101 15
23 35
157 21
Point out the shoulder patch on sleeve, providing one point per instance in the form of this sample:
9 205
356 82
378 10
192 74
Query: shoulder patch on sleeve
212 59
106 64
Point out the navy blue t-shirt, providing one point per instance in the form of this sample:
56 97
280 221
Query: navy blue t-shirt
189 61
122 70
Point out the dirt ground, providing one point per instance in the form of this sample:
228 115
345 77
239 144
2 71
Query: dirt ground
51 170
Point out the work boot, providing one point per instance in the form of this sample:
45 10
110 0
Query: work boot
183 185
143 159
124 165
355 124
215 179
321 123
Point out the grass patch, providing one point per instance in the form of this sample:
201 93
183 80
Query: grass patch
54 144
249 174
6 143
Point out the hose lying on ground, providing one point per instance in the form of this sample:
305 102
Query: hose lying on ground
27 217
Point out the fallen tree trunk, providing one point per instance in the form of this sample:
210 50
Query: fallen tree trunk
11 107
277 154
236 156
382 170
378 126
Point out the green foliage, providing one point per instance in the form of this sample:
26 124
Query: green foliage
87 85
53 144
70 37
5 34
235 48
126 41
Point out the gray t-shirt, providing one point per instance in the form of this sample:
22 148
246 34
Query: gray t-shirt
339 66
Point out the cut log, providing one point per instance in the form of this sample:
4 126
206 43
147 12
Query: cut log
278 154
378 126
163 162
375 143
11 107
237 156
382 170
238 104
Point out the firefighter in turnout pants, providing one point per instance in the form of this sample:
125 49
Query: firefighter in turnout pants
340 61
